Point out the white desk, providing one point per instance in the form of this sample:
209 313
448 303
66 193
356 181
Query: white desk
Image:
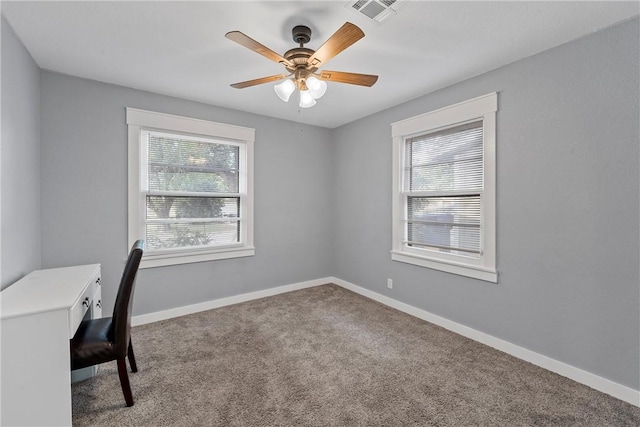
39 315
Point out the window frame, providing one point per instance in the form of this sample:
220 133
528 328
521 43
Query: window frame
482 267
139 121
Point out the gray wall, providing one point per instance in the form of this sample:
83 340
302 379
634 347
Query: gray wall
567 207
84 196
20 169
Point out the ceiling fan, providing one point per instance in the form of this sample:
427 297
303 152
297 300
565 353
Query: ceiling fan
303 63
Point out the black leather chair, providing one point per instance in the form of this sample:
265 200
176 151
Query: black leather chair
103 340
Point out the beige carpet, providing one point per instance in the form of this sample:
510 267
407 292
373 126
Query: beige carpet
325 356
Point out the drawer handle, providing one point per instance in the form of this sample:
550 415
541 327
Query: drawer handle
86 302
99 304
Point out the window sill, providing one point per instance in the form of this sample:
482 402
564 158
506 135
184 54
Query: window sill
481 273
161 260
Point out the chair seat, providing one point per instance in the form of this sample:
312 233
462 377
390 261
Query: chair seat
91 344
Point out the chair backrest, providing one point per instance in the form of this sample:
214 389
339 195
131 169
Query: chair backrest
121 320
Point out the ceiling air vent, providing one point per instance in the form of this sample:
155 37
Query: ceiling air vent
375 10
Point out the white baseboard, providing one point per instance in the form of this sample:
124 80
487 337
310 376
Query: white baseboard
596 382
208 305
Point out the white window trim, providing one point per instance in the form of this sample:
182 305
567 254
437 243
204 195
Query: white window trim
483 268
140 120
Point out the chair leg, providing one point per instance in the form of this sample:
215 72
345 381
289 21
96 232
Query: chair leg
124 381
132 358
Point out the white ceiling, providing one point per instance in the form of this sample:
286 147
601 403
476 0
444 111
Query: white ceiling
179 48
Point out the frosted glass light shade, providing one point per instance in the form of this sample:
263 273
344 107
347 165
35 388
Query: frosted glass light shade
306 100
317 87
285 89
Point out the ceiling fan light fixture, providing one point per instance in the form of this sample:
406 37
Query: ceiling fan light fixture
285 89
306 99
317 87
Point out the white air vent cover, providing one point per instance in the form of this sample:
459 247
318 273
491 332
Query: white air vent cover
375 10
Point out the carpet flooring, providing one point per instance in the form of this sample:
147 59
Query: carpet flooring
325 356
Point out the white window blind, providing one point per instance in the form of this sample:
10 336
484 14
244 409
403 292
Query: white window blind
192 191
443 183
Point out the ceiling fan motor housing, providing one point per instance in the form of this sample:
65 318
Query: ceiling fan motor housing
299 56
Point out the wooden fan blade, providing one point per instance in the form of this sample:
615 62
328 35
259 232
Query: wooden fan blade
248 42
347 35
259 81
351 78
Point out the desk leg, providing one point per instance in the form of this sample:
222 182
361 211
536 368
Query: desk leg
36 387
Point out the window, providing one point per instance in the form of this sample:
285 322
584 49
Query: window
190 188
444 189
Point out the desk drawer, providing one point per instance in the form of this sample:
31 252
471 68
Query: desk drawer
97 303
83 304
